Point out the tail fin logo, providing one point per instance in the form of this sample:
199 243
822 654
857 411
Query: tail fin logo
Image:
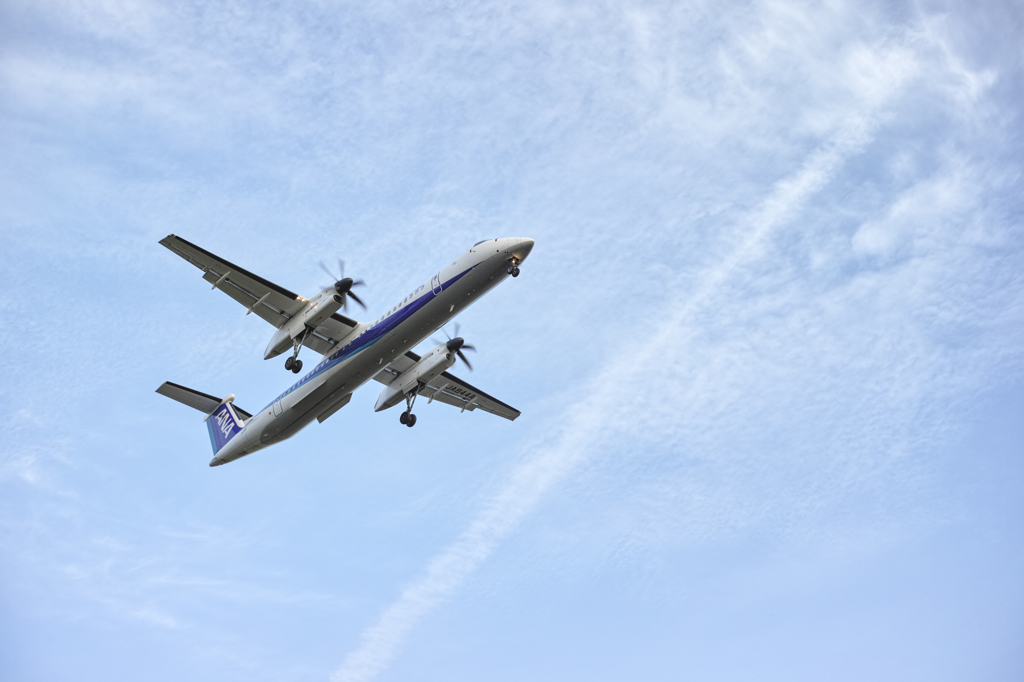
223 425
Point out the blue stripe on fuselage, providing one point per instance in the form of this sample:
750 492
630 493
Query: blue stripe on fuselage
370 336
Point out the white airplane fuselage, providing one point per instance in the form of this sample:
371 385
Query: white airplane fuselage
370 347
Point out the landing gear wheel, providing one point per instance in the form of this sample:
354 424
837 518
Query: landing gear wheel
411 421
297 366
510 269
289 363
404 418
515 272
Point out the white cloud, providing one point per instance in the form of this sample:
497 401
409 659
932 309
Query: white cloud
919 212
157 618
592 419
827 323
886 356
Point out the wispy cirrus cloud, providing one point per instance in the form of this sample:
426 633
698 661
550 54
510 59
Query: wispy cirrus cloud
777 240
593 419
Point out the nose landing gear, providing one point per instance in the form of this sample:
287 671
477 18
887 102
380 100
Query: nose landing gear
513 266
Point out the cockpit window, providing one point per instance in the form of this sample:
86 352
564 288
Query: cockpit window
481 242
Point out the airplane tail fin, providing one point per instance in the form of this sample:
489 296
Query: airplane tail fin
223 425
223 420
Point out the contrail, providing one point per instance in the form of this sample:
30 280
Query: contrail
528 483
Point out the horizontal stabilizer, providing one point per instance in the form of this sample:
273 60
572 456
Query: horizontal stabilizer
203 402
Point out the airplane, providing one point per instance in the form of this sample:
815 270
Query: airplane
351 352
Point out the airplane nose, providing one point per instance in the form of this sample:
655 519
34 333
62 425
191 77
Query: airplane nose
523 248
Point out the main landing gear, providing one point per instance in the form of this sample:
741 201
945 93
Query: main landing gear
407 417
513 267
293 363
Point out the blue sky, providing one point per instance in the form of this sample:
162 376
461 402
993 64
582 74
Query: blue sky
768 347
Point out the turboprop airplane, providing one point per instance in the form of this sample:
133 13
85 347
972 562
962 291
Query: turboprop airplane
351 352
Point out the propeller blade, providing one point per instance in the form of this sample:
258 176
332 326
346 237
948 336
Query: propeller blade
463 358
356 299
466 346
342 285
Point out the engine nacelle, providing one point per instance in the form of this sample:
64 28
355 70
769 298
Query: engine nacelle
428 367
317 309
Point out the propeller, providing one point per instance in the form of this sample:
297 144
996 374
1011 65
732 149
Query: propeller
343 285
457 345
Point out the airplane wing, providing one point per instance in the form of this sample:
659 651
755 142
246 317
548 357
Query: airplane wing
449 389
273 303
